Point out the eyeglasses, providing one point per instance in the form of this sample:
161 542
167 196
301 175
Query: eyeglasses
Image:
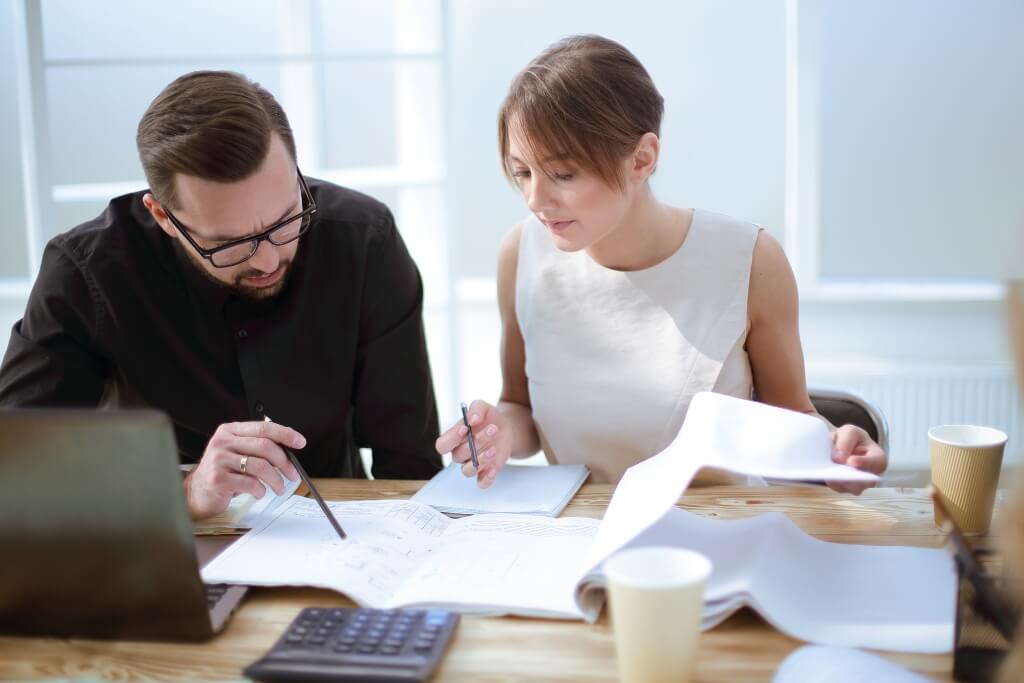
239 251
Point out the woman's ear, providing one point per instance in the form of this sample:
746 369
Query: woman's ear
645 156
156 210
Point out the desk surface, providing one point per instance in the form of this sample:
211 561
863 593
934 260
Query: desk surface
744 648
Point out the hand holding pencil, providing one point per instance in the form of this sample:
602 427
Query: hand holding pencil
482 430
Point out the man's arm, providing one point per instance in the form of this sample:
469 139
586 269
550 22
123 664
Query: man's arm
51 358
395 413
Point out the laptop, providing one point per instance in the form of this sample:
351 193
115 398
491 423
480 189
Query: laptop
96 535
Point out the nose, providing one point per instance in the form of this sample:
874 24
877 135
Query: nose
538 193
266 258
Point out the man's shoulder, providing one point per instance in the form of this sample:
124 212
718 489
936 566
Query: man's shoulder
122 230
350 210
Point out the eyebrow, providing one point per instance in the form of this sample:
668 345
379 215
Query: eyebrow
547 160
280 218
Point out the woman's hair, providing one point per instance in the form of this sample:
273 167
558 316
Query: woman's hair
585 98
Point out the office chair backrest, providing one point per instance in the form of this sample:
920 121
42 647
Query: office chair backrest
845 407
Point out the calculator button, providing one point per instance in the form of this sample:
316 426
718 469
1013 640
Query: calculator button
366 649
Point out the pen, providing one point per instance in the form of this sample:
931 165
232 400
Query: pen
472 443
312 489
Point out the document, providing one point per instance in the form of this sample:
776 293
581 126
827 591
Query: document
405 554
521 489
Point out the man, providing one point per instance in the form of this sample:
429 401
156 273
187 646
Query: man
235 289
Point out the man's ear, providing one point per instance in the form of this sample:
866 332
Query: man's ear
645 156
156 210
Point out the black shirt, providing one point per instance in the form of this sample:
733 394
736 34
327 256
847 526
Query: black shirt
119 314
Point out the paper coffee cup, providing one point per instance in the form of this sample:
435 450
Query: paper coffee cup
965 469
656 596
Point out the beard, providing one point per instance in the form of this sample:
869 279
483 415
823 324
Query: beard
251 292
262 293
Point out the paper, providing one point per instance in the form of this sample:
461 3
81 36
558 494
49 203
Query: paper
519 489
879 597
726 434
817 664
401 553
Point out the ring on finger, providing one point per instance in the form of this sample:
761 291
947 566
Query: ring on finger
243 463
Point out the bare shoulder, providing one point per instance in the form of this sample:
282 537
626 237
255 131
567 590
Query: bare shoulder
772 284
508 261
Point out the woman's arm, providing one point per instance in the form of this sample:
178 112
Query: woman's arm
514 402
776 356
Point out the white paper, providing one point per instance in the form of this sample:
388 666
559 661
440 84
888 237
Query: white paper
519 489
727 434
264 507
879 597
818 664
401 553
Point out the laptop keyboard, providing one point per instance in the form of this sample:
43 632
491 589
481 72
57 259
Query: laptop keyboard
214 593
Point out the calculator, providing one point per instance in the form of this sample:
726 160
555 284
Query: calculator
358 644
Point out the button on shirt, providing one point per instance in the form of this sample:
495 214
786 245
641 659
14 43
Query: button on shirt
119 314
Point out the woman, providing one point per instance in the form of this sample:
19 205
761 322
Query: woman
617 308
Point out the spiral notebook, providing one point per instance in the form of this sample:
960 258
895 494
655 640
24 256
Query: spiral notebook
519 489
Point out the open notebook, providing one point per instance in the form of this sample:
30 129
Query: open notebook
520 489
401 553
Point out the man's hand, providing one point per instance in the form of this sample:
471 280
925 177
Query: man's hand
238 458
852 446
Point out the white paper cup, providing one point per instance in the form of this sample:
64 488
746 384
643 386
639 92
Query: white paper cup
656 596
966 460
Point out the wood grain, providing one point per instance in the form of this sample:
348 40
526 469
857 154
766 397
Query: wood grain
485 650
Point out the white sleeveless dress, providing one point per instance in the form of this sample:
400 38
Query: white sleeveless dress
613 358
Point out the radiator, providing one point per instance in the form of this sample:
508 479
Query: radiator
917 399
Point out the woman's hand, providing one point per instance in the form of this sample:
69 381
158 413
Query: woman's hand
852 446
492 437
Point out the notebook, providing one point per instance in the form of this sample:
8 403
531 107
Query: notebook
518 489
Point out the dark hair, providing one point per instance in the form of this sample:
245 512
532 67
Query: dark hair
586 98
214 125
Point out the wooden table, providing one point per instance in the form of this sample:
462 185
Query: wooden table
744 648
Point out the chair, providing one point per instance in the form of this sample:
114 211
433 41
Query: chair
844 407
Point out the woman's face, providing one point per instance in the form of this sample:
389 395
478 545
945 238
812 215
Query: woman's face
578 207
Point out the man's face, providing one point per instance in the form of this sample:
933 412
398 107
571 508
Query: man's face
218 213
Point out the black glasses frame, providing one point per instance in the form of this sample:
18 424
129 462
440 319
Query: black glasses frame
254 241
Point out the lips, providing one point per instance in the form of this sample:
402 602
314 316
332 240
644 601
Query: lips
557 225
266 280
